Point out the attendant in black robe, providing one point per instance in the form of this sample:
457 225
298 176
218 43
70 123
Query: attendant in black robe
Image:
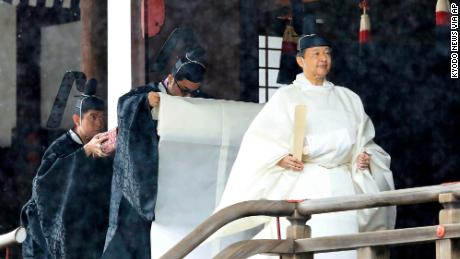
67 215
134 186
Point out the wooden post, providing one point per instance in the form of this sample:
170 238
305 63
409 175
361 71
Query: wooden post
448 248
373 253
298 230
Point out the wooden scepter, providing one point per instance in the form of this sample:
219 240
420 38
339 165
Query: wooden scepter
299 131
297 145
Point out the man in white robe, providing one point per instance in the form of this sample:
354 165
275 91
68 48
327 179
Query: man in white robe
340 157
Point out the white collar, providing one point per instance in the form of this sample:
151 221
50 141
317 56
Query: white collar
74 136
162 87
304 83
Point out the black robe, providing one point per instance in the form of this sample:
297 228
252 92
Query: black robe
134 184
135 177
67 214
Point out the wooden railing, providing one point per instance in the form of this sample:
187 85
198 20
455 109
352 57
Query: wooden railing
299 245
14 237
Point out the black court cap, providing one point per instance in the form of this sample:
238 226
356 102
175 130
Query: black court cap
180 40
310 36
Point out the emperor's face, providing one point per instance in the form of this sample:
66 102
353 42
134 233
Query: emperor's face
316 62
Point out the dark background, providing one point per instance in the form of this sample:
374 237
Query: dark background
402 76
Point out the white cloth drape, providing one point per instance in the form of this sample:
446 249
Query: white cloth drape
199 140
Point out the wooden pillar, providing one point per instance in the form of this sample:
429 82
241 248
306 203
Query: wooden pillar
448 248
94 42
26 137
298 230
249 62
137 46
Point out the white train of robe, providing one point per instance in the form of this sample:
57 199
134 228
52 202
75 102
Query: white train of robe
199 140
337 130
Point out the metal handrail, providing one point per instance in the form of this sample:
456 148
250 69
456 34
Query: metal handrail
244 249
308 207
16 236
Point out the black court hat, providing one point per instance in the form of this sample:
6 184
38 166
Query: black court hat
88 100
310 36
181 43
189 67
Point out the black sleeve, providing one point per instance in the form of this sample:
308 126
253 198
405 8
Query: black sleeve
136 157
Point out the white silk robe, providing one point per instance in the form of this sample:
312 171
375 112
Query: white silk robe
337 131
